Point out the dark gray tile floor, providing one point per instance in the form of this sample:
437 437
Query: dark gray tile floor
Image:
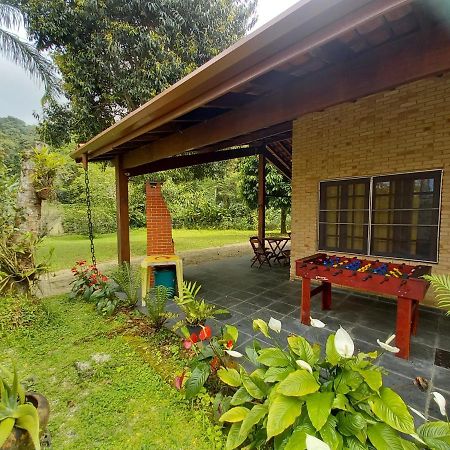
250 293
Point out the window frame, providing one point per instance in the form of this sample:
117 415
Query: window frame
371 211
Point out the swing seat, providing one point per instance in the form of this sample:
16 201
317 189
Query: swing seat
150 262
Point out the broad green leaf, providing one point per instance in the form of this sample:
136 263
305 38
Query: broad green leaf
301 347
373 378
6 427
298 383
259 324
280 441
253 417
391 409
346 381
349 424
282 413
230 333
251 386
298 438
30 423
319 408
436 434
274 374
273 357
354 444
383 437
341 402
233 439
408 445
197 379
237 414
330 435
240 397
252 354
230 376
332 355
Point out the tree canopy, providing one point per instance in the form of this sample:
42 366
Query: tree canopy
115 55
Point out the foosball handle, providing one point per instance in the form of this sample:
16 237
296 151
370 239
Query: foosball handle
366 278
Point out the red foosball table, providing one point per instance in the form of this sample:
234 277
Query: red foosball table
400 280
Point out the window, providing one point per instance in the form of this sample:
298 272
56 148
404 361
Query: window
392 215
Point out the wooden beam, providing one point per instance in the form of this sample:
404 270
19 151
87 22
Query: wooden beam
177 162
278 163
262 197
398 62
123 222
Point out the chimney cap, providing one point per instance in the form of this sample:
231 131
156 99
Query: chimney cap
155 183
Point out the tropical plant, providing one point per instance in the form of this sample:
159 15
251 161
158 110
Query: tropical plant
128 278
441 285
23 53
19 272
156 302
196 310
15 411
298 398
46 166
211 352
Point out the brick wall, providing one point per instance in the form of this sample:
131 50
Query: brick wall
159 222
405 129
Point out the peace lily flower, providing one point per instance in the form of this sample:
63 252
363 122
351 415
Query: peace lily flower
304 365
234 353
343 343
417 412
275 325
316 323
385 345
312 443
440 400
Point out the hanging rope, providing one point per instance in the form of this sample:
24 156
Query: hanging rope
89 211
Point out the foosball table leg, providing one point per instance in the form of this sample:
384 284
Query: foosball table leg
305 307
415 318
404 326
326 295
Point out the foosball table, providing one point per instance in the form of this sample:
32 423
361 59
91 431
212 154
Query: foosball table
400 280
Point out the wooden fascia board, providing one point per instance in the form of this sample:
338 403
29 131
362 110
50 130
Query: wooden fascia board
176 101
395 63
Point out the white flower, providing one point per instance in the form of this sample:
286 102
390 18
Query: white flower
234 353
417 412
385 345
316 323
304 365
312 443
343 343
275 325
440 400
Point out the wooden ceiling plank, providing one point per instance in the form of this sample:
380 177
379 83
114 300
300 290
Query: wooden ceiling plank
404 60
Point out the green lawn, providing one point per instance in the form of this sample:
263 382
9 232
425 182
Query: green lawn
123 403
69 248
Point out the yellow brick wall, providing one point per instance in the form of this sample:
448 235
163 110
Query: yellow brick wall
401 130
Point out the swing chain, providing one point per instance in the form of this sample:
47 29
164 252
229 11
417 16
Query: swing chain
89 216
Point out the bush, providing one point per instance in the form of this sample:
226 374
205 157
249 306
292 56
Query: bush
128 278
75 219
21 312
156 302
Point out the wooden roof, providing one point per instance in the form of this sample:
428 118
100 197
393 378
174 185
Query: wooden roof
317 54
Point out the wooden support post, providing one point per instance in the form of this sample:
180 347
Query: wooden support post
123 223
305 307
403 331
262 198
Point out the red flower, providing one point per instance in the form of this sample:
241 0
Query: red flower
74 270
81 262
104 278
229 344
194 338
178 382
215 363
205 333
187 344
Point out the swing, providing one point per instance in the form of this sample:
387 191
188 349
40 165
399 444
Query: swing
89 210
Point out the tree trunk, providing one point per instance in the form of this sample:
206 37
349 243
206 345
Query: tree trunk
28 214
283 229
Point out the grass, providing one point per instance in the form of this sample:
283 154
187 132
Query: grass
123 403
69 248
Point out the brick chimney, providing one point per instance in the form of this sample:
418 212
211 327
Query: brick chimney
159 222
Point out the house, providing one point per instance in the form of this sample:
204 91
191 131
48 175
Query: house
348 98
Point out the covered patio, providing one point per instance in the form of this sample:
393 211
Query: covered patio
263 293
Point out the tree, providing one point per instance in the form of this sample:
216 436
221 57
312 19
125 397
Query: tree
23 53
115 55
278 188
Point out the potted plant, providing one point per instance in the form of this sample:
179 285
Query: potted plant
22 415
196 310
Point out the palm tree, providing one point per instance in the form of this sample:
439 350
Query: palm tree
23 53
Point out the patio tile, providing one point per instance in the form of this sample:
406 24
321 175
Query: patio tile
247 309
226 301
283 308
441 379
260 301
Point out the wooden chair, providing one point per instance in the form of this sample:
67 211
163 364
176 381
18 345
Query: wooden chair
262 254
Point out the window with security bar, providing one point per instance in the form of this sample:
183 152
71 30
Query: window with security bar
391 215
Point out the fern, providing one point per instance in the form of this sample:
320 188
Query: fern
441 286
156 301
128 278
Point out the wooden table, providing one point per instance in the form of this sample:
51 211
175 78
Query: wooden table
409 288
277 246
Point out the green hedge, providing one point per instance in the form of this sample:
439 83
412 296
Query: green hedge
75 219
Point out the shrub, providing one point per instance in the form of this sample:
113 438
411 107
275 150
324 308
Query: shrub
298 398
156 302
21 312
128 278
441 285
75 219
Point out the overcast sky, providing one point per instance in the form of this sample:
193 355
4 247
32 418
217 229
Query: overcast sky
20 96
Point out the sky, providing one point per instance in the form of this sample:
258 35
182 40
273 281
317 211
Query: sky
20 96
